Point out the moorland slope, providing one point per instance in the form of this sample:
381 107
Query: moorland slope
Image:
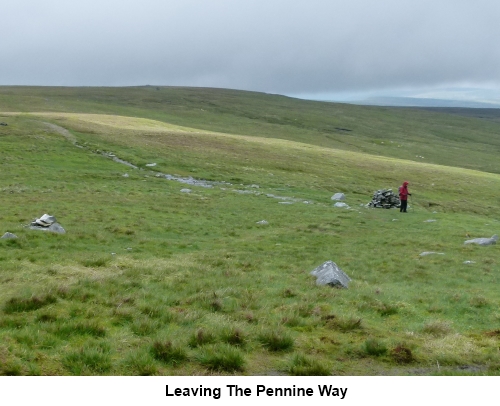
153 279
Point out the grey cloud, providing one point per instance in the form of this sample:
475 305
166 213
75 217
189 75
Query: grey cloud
275 46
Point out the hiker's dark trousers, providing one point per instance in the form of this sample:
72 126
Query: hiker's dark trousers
404 205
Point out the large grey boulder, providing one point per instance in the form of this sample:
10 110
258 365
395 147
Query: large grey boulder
483 241
54 228
330 274
8 235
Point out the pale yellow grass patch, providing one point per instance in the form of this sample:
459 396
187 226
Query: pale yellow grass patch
43 277
107 120
108 125
454 345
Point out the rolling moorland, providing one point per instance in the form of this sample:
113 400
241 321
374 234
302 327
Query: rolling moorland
151 280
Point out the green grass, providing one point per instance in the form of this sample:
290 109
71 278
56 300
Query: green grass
151 281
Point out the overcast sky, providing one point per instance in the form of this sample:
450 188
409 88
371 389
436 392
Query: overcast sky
295 47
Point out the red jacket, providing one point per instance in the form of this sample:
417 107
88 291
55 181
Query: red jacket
403 191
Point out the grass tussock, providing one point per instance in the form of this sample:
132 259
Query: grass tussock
221 357
87 361
301 365
201 337
234 336
167 352
95 262
345 324
276 340
17 305
437 328
375 347
67 330
401 354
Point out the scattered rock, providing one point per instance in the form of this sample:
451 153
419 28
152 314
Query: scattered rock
483 241
125 175
394 219
330 274
263 222
194 182
153 164
384 198
4 124
186 190
338 196
469 262
429 221
423 254
8 235
285 202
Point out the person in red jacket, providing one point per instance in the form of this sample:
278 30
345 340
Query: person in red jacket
403 196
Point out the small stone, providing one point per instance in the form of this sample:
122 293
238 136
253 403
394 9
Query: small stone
186 190
125 175
262 222
8 235
153 164
340 204
429 221
330 274
425 253
469 262
338 196
285 202
483 241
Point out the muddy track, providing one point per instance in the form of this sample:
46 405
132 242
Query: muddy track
62 131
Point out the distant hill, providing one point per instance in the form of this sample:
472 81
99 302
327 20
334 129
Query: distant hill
423 102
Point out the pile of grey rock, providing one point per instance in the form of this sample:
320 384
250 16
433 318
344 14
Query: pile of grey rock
47 223
385 199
